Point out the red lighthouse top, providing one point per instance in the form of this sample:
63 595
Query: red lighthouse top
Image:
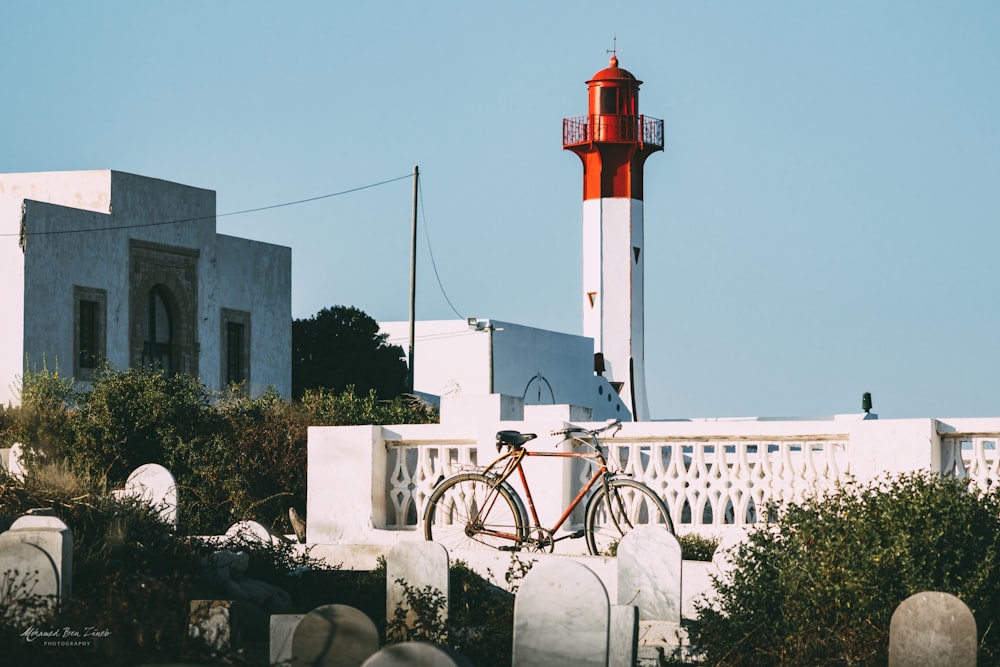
613 139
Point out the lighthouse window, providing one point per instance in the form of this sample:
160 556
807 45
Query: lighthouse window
609 100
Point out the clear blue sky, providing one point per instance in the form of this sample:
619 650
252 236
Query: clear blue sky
823 222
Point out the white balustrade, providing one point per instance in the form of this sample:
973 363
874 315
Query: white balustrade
972 456
716 477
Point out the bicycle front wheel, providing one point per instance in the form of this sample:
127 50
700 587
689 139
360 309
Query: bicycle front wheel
609 519
470 511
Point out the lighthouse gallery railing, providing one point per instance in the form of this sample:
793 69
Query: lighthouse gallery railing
613 128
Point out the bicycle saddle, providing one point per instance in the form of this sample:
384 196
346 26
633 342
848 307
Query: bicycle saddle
513 438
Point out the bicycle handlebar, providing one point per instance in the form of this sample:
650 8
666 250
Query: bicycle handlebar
612 423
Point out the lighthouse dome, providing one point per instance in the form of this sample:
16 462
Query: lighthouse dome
613 73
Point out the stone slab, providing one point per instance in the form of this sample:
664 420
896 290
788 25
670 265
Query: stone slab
50 534
280 633
649 573
154 484
932 629
27 571
334 635
416 654
418 564
561 616
623 636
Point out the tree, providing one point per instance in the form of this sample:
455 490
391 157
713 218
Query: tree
341 346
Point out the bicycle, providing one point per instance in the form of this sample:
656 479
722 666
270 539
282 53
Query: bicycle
482 507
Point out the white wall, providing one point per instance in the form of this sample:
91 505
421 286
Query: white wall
452 359
257 278
11 299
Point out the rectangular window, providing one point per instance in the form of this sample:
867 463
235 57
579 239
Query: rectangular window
88 334
235 348
234 352
89 330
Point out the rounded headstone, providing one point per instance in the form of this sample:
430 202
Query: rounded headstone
416 654
932 629
561 616
250 532
28 571
334 635
154 484
649 573
38 522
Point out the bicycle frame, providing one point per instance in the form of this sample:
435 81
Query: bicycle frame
512 460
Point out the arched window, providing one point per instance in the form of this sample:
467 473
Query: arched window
157 346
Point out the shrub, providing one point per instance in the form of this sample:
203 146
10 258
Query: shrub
327 408
137 416
819 583
41 423
697 547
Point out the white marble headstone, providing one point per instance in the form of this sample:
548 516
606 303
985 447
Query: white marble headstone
932 629
334 635
26 571
52 536
416 654
250 532
154 484
649 573
623 636
419 564
561 616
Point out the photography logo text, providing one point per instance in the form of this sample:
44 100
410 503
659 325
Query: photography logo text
65 636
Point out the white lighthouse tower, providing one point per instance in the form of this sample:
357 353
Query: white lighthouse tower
613 141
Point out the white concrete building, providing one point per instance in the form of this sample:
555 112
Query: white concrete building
481 357
105 265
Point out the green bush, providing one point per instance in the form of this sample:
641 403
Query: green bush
697 547
138 416
234 457
819 583
42 421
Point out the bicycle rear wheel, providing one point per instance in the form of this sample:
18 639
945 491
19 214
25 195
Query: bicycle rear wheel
470 511
631 504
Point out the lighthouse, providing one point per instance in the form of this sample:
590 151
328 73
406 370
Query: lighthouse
613 141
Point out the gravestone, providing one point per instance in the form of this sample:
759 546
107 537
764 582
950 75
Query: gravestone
561 617
280 634
416 654
649 573
419 565
155 485
623 636
334 635
15 461
52 536
250 532
932 629
28 573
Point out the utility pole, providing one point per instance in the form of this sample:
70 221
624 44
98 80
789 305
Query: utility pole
413 275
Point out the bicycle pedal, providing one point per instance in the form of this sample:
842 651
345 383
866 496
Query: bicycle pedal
509 548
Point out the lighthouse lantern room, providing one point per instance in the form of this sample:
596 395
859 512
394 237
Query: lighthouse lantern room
613 141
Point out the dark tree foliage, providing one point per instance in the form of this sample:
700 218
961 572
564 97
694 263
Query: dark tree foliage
340 347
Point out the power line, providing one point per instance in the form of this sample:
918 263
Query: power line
209 217
430 251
